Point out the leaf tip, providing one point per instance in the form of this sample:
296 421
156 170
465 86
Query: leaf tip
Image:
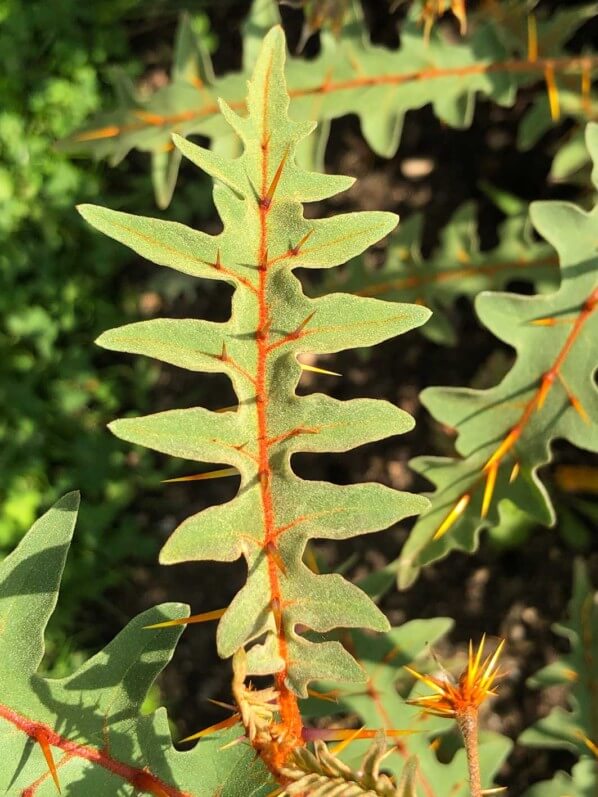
69 502
84 209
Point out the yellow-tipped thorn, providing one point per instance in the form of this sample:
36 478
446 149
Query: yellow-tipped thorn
473 663
338 748
394 733
329 697
275 180
95 135
228 706
551 321
314 369
553 95
506 445
232 408
428 23
217 726
490 673
574 401
211 474
344 734
310 560
149 118
47 751
426 680
579 408
514 472
452 516
592 746
216 614
495 790
272 551
545 386
233 743
532 38
297 248
458 9
489 489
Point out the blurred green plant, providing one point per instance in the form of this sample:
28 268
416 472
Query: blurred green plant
55 393
574 729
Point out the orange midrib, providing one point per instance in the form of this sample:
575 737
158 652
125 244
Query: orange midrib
417 280
589 306
134 775
289 709
329 86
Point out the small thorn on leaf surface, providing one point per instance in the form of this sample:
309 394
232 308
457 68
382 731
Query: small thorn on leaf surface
217 726
453 516
221 473
314 369
205 617
43 742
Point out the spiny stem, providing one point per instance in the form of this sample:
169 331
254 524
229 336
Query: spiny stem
467 720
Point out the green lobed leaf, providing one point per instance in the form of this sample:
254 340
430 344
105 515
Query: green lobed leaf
549 393
580 783
456 267
100 742
259 196
351 75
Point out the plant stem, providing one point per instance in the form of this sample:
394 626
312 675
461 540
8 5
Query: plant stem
467 720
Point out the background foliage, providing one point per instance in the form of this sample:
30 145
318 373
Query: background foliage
60 286
56 393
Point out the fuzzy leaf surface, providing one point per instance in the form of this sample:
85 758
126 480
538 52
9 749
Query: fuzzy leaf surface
550 392
91 720
259 197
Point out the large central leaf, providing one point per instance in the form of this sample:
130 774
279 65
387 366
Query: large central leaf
259 197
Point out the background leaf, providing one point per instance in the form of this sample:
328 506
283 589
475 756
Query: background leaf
504 433
90 720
